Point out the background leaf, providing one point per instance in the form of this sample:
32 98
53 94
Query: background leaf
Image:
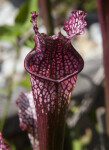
22 14
10 32
23 17
25 82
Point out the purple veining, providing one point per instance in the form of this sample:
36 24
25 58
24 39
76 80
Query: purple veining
28 117
53 65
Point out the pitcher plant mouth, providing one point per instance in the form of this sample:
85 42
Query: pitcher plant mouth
53 57
31 56
53 65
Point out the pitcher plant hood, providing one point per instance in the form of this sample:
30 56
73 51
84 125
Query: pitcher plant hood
53 65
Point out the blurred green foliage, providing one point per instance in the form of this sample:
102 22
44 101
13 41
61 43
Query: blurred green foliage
29 42
22 22
12 146
90 5
25 82
18 30
87 5
28 148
